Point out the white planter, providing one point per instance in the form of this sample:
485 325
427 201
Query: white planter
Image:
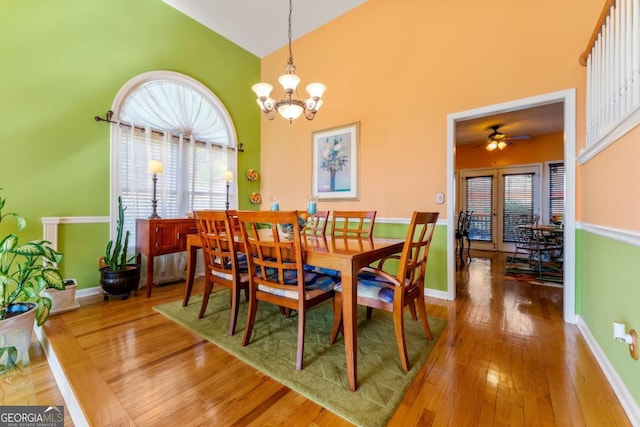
16 332
62 300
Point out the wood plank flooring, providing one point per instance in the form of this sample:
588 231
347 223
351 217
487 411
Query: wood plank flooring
505 358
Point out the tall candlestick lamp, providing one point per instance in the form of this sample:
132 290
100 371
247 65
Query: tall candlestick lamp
155 167
228 177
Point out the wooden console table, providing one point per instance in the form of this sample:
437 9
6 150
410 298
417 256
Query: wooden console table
156 237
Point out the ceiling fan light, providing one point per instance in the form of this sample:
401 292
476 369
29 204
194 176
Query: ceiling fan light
492 146
502 145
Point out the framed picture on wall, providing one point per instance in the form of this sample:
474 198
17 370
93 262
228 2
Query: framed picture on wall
335 163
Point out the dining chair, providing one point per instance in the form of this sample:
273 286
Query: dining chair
317 224
353 223
462 233
224 265
531 241
276 274
233 221
378 289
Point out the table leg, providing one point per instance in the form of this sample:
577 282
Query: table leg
192 252
350 323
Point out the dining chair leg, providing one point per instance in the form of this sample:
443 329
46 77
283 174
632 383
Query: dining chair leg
235 303
398 326
251 318
302 315
412 309
369 313
337 317
208 287
461 240
423 316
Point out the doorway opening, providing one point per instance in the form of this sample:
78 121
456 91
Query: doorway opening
567 99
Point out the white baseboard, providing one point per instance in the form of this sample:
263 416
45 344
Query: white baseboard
627 401
89 292
436 294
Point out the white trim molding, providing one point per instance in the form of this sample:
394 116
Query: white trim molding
568 98
627 401
624 236
50 225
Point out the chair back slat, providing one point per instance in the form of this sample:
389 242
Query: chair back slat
353 223
217 240
273 255
317 224
413 261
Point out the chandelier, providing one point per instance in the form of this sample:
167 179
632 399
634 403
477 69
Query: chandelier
289 107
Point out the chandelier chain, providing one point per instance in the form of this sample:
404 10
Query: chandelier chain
290 62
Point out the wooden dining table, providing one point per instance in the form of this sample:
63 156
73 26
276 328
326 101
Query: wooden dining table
345 254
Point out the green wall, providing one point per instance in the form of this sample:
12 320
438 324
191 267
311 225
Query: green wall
608 272
63 62
436 275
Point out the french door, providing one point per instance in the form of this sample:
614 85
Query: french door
496 196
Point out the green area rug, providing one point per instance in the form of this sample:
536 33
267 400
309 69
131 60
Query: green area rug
521 271
272 350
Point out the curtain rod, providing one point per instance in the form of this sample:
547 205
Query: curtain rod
109 119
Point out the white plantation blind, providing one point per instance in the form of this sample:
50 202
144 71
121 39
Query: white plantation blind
192 176
518 200
480 201
556 189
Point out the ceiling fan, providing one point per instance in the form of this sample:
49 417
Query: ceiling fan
499 140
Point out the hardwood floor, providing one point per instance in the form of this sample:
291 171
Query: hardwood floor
505 358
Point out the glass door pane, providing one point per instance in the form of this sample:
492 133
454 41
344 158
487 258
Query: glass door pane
518 200
478 195
496 196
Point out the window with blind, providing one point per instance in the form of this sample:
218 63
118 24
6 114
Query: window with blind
556 189
480 201
518 200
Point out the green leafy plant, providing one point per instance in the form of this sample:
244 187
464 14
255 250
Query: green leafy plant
8 358
26 269
116 253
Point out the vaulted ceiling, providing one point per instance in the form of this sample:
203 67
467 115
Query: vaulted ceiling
261 27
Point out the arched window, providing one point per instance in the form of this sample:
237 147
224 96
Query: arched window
171 118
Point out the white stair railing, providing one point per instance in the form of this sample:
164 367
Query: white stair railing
612 59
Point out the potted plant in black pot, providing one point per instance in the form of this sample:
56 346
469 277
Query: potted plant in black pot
25 270
117 275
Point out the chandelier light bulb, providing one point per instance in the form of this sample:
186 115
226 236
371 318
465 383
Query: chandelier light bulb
290 111
262 89
289 82
316 89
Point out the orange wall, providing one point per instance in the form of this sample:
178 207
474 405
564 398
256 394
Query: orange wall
399 68
612 178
